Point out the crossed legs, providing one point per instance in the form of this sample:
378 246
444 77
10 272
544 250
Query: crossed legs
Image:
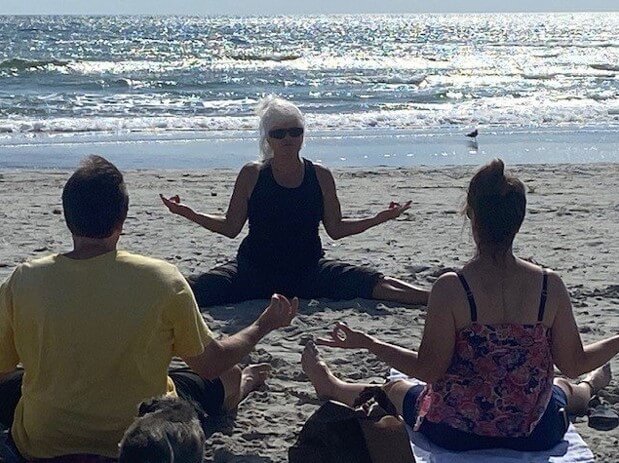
330 387
579 394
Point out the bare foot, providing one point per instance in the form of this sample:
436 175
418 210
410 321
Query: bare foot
598 379
317 371
252 377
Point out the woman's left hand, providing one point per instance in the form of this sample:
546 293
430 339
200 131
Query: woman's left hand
394 211
175 206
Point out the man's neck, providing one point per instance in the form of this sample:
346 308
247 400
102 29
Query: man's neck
87 248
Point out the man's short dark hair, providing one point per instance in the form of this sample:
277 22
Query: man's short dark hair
95 199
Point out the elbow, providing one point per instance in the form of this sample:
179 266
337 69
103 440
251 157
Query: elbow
231 232
335 234
430 373
573 367
429 377
209 374
208 365
571 371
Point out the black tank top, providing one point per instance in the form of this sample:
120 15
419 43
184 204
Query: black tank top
283 224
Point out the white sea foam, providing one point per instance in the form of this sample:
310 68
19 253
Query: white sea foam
497 112
345 72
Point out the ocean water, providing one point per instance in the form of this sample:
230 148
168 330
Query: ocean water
64 78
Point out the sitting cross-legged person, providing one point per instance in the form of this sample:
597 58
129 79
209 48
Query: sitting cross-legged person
493 333
95 330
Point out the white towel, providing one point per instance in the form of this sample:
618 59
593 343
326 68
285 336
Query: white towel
571 450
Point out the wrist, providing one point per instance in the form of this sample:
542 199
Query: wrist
190 214
376 220
369 343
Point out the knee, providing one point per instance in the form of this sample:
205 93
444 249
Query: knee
565 385
577 395
210 288
395 384
396 391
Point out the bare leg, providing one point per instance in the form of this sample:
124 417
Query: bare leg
238 384
578 395
328 386
392 289
386 439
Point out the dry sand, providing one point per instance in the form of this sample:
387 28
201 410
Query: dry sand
572 226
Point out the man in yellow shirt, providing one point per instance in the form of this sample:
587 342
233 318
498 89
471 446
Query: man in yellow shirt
95 330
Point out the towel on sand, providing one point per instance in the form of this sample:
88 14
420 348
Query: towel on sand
572 450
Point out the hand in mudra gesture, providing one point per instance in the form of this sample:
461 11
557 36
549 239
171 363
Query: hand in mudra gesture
279 312
345 337
394 211
175 206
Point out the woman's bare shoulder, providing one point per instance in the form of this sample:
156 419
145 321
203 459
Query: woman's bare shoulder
251 170
322 171
253 166
447 286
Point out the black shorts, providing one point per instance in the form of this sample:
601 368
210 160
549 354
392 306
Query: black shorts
331 279
209 395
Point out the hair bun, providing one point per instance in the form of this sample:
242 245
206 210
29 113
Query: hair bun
497 176
498 203
491 179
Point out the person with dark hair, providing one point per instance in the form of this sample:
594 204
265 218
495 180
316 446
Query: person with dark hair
285 197
95 330
95 199
493 333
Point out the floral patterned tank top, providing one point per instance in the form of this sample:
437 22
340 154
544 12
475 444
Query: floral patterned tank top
499 382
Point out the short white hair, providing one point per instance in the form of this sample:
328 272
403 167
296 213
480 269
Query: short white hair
273 111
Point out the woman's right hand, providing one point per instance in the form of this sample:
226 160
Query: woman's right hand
176 207
346 338
393 211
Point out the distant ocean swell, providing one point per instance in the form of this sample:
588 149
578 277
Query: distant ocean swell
70 75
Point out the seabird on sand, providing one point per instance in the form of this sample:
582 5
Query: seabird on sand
473 134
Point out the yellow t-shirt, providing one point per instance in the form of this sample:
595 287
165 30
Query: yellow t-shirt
95 337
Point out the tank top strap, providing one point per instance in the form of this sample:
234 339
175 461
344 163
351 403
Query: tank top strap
543 296
265 177
310 171
469 295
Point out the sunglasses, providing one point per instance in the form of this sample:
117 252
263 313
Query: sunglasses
280 134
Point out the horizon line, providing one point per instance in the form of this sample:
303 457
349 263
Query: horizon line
310 14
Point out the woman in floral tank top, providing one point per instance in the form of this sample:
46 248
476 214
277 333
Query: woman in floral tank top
493 333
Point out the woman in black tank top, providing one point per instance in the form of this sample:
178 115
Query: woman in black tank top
285 197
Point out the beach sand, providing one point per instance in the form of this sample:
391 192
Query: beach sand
571 227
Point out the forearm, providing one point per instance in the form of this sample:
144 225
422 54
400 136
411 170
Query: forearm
223 354
215 223
597 354
346 228
401 359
